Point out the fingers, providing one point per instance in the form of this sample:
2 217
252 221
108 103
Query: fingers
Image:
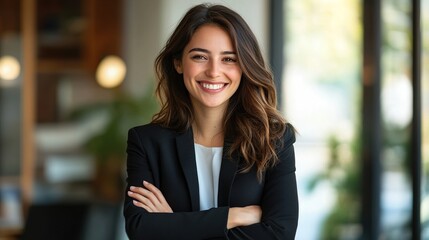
141 198
149 197
255 211
156 192
146 196
139 204
244 216
157 198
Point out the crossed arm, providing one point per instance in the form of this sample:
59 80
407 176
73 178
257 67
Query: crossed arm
152 200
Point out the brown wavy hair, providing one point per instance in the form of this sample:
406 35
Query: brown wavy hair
252 123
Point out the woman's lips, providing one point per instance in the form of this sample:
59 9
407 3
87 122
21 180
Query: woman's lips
212 87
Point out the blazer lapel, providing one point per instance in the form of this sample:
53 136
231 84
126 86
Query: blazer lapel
186 153
227 174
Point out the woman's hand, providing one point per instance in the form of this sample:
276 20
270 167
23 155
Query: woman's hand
244 216
150 198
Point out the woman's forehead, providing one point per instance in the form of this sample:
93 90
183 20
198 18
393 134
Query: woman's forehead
211 36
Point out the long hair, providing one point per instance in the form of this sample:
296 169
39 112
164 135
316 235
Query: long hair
252 120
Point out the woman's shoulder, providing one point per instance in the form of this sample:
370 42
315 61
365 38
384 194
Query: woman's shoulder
289 134
147 127
153 130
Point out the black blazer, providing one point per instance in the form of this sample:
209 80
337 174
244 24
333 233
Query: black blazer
166 158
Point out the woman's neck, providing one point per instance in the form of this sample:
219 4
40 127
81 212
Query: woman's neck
208 127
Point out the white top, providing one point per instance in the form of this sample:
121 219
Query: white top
208 160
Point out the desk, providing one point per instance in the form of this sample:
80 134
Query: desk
10 233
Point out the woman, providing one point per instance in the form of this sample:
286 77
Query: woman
217 161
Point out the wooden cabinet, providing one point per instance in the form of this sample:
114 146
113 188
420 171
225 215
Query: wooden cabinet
56 39
72 37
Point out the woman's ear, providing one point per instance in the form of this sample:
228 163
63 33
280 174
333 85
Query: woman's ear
178 66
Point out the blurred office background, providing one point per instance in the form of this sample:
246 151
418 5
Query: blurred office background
353 78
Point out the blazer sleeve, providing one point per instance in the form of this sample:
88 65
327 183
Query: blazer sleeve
279 201
140 224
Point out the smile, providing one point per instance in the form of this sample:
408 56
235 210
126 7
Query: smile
210 86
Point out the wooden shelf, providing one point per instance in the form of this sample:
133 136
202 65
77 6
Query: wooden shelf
59 66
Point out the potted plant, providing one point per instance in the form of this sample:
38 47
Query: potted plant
108 146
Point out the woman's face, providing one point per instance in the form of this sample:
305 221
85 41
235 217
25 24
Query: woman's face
210 68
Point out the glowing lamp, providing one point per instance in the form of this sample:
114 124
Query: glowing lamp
111 72
9 68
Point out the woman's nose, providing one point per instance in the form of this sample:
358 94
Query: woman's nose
213 69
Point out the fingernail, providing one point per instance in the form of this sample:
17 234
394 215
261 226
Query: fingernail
132 187
145 183
130 193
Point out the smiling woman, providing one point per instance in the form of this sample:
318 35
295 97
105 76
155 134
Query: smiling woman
217 161
210 70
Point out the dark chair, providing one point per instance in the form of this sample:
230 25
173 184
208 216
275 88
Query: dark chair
72 221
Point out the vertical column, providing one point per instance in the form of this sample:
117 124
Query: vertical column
277 44
416 151
28 14
371 119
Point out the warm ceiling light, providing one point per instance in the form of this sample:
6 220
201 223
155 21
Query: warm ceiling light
111 71
9 68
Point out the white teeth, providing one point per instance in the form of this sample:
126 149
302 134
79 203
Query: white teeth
212 86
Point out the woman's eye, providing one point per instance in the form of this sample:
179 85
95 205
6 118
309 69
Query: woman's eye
228 59
199 57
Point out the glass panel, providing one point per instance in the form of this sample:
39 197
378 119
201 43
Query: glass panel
396 103
10 93
322 100
10 115
425 119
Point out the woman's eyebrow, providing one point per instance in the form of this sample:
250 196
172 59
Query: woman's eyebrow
207 51
199 50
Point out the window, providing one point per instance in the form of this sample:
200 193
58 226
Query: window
322 100
396 112
325 98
